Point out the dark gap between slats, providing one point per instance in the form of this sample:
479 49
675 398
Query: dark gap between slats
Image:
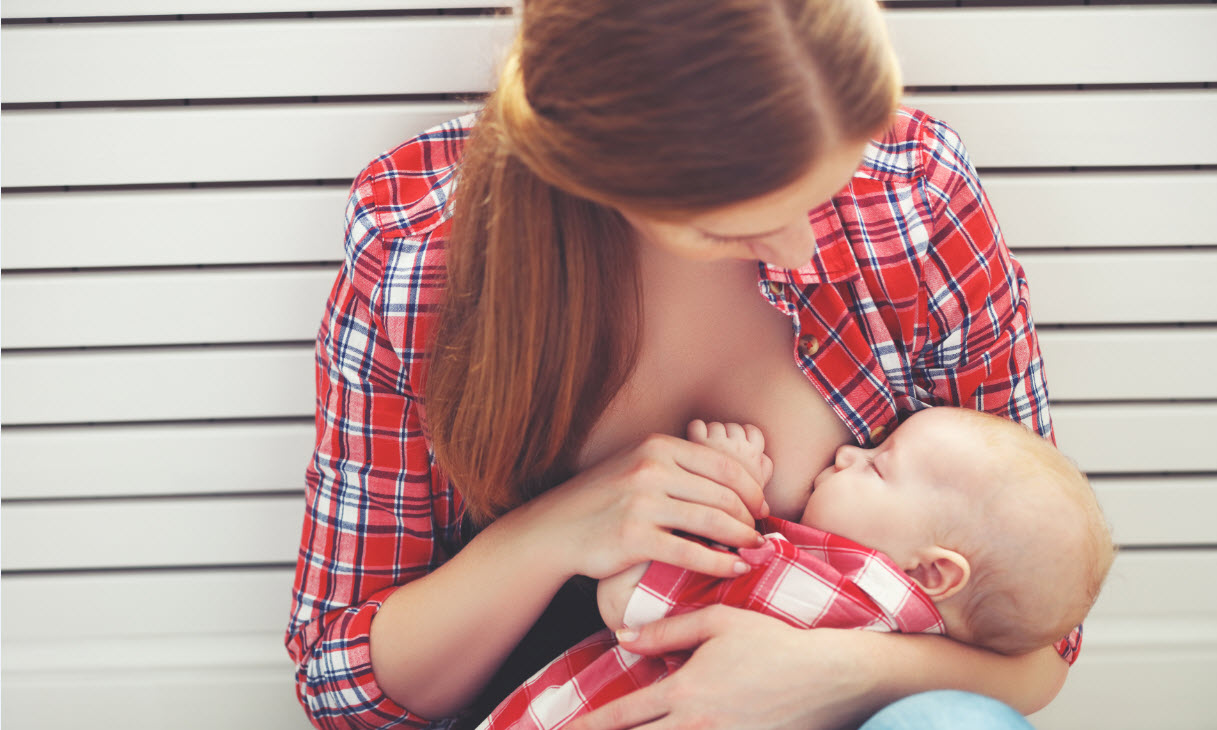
343 182
287 266
505 9
67 572
461 96
308 419
281 345
1057 402
187 496
167 425
299 15
14 274
1134 326
1069 250
898 4
1142 475
477 96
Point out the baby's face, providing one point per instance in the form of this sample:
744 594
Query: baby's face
889 498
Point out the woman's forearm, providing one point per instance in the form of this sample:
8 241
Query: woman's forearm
1027 683
436 641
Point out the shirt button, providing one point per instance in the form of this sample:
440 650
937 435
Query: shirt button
877 434
775 289
808 345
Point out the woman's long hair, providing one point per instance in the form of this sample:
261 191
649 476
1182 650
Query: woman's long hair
663 108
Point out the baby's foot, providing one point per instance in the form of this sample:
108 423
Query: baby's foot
743 442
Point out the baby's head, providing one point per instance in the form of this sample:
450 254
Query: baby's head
1000 529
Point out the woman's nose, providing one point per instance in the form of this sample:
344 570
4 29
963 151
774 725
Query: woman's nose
792 247
847 456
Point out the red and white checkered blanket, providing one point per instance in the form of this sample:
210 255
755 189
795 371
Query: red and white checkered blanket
806 577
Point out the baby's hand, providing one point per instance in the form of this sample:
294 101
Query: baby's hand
745 443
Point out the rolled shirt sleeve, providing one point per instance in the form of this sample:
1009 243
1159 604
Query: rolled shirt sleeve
377 514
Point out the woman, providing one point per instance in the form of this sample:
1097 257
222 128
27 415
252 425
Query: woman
625 245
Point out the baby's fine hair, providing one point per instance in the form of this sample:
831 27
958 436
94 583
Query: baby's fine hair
1037 542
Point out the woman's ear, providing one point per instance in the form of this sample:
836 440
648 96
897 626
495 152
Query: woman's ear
941 573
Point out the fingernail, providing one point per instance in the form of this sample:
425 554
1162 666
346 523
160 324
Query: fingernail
764 509
741 567
626 634
760 539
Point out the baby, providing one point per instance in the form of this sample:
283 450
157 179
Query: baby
960 523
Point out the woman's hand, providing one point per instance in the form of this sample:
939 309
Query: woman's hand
626 510
748 671
754 671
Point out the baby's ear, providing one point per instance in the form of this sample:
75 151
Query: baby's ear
941 573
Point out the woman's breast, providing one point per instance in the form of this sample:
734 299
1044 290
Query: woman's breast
734 363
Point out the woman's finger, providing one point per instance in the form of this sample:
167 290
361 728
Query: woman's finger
697 489
698 558
684 632
718 467
708 522
639 707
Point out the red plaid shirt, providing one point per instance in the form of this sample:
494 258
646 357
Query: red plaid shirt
806 577
911 300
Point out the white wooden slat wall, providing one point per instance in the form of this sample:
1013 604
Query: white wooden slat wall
174 174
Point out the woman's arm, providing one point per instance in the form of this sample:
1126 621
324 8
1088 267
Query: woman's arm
617 514
822 678
383 602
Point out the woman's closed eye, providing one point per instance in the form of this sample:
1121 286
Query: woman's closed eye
721 239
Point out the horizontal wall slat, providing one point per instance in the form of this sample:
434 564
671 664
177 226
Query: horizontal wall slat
252 58
1130 363
241 651
1088 128
1094 288
1123 438
259 382
263 142
189 307
97 462
259 530
151 533
307 57
162 459
1092 209
214 144
90 309
173 227
254 382
91 8
1159 510
147 605
1136 688
196 699
201 603
293 224
1091 45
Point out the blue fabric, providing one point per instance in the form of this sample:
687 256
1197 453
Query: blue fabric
947 709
